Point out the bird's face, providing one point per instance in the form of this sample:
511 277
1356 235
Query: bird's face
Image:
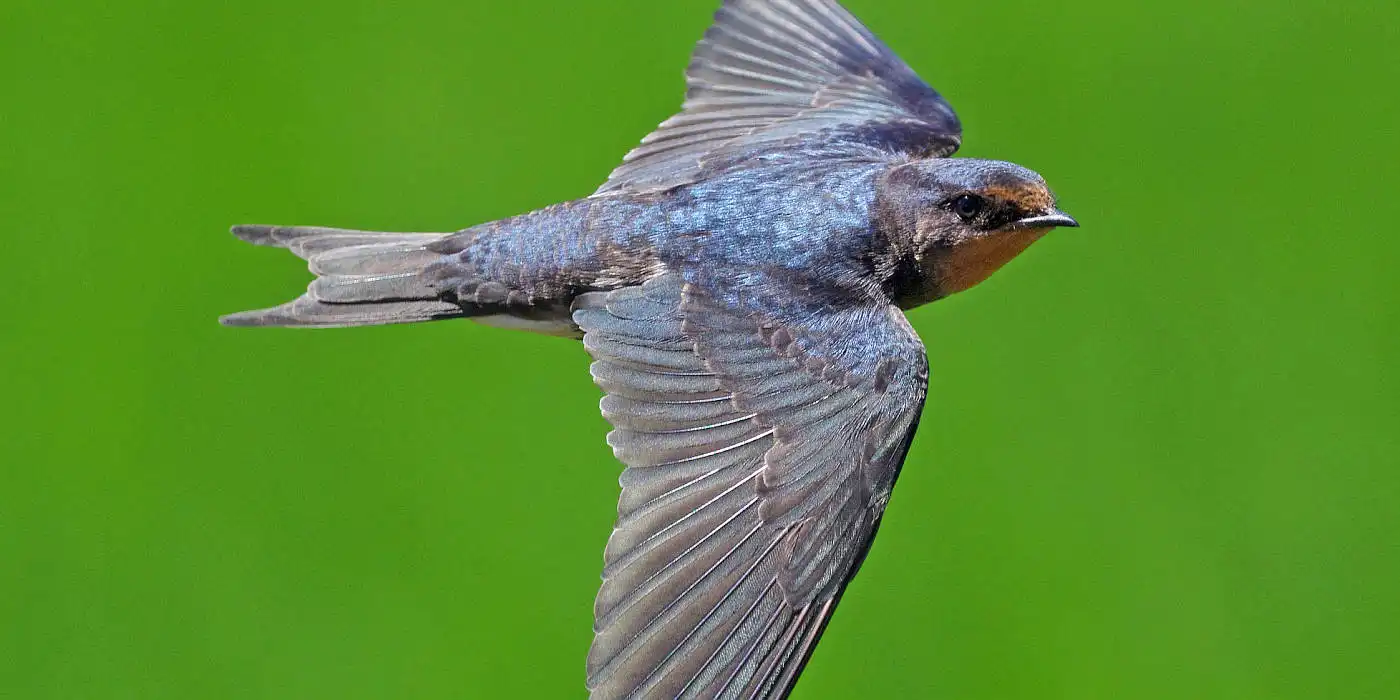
959 220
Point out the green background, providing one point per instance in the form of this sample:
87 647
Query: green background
1161 456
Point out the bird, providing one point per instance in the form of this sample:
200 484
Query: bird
740 282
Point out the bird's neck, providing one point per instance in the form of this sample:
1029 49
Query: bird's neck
898 251
944 269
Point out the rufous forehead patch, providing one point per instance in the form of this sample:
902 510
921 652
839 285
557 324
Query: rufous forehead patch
1028 197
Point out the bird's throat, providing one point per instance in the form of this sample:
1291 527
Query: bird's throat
966 264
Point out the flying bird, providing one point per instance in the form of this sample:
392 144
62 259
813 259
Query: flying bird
740 282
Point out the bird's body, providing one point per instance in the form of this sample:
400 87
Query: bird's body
795 218
739 281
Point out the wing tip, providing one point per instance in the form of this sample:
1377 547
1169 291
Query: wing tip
254 319
256 234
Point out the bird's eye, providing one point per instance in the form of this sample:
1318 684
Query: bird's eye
968 206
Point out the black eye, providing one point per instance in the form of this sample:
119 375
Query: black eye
968 206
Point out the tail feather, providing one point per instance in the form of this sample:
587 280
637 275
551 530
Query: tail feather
380 258
357 289
365 278
305 312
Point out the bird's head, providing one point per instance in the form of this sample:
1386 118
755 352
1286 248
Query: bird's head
951 222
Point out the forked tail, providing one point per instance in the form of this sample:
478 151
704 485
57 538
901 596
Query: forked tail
364 278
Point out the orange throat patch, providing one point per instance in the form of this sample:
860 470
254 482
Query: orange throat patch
968 263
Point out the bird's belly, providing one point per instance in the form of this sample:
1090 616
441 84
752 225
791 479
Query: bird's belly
968 263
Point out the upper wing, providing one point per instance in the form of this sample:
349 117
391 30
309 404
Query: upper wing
773 72
759 461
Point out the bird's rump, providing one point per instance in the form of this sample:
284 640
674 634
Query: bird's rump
521 272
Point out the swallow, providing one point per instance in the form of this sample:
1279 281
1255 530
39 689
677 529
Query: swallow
740 282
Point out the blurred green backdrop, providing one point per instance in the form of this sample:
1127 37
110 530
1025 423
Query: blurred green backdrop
1160 453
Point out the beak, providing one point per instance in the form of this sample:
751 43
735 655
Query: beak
1055 219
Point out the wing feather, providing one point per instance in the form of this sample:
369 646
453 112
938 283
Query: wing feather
747 502
774 74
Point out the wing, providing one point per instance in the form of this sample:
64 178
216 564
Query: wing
774 73
759 461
